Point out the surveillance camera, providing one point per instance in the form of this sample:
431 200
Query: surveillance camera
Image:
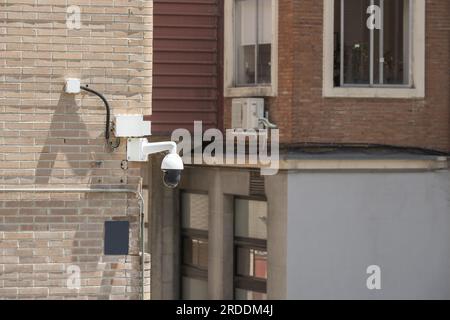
171 178
172 165
138 149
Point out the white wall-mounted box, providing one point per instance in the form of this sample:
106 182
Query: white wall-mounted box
132 126
246 113
72 86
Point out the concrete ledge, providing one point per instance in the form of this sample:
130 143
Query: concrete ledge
429 163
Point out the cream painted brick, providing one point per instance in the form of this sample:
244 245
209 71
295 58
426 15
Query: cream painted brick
51 139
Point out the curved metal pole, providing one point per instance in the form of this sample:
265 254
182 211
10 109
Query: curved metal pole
108 112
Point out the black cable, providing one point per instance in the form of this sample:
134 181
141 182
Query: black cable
108 112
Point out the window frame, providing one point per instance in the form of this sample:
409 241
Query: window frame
188 270
246 282
257 90
192 234
416 88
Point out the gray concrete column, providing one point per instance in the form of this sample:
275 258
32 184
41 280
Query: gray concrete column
276 192
165 236
220 263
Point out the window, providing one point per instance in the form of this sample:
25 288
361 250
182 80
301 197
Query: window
372 42
194 242
374 48
250 249
250 47
253 42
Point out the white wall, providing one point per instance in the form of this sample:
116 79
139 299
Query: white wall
339 223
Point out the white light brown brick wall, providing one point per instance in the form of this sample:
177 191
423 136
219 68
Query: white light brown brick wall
51 139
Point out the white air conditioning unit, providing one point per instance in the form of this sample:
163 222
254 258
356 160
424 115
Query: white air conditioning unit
246 112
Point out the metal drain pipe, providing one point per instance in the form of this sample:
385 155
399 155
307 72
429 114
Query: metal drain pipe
138 194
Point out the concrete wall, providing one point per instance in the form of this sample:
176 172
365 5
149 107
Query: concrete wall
221 185
339 223
49 139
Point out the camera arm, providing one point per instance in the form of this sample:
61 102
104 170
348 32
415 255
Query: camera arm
156 147
138 149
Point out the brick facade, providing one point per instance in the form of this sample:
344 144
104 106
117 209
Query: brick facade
303 115
51 139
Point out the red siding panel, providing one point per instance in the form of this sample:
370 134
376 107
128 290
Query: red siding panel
187 67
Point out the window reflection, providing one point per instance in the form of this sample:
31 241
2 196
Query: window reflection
253 40
371 42
250 229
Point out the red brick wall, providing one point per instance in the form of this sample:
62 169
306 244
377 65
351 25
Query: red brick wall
304 116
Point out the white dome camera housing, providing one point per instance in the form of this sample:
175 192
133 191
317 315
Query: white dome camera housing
172 165
138 149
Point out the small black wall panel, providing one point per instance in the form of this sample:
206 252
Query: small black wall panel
116 237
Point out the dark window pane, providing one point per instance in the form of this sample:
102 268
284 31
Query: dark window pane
356 42
264 63
246 65
264 41
377 56
195 252
389 22
243 267
337 43
396 37
251 263
188 254
391 60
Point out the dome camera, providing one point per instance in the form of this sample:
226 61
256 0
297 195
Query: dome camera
138 149
172 165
